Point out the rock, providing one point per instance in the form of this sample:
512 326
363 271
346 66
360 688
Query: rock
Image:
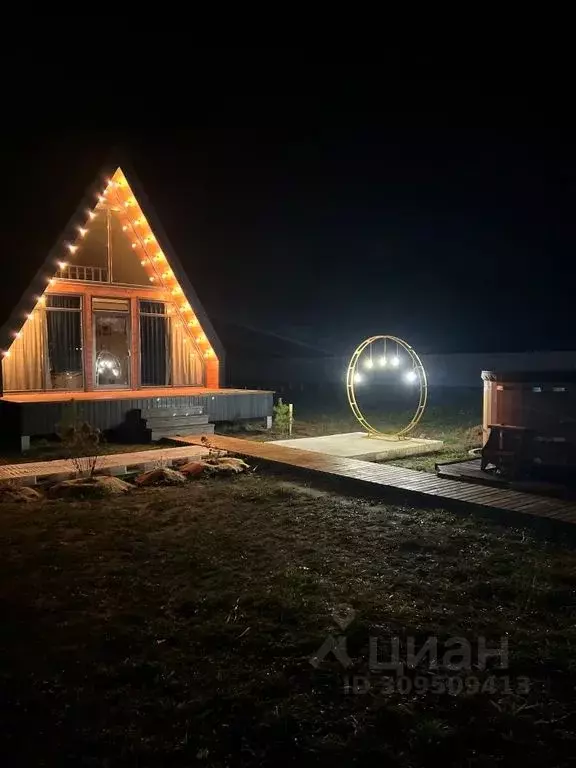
215 453
193 468
96 487
227 465
19 493
160 476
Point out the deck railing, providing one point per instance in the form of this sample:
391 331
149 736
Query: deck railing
77 272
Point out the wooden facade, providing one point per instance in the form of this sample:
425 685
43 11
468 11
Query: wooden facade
89 290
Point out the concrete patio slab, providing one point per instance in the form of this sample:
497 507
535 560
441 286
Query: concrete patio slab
358 445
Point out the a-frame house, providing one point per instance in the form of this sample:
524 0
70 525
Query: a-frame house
111 321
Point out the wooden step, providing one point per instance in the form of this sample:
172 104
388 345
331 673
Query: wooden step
167 420
184 410
194 429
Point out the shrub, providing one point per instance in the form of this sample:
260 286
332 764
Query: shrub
282 417
81 440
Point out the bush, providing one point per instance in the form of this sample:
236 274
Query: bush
282 417
81 440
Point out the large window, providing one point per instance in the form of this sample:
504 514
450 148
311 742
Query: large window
168 356
112 342
105 253
154 344
64 342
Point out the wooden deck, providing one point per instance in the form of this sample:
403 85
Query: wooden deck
38 413
469 472
62 396
396 482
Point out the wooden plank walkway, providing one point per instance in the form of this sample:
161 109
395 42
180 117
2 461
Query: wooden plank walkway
115 464
416 487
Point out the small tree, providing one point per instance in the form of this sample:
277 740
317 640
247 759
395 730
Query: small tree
282 417
81 440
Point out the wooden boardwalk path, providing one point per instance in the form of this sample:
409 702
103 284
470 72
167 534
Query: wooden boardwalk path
414 487
115 464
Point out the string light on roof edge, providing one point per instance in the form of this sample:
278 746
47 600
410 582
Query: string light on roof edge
142 241
416 374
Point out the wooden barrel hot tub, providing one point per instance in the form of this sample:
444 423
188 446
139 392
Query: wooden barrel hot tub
541 402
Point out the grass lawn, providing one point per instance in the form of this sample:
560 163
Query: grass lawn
174 627
452 415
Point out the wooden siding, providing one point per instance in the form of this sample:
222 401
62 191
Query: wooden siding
41 417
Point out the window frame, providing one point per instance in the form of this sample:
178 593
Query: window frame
80 310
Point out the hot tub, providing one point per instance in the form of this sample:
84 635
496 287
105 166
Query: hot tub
543 402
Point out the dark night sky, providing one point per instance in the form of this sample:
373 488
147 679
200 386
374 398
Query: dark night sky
329 206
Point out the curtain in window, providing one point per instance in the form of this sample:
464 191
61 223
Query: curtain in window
27 366
187 369
154 352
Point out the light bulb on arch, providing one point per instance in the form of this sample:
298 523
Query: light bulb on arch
383 361
357 378
411 376
369 363
395 361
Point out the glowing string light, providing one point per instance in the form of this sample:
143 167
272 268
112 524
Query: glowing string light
167 278
414 375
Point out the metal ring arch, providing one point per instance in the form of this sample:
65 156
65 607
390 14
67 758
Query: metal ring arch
416 366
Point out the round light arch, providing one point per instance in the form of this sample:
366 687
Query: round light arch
416 373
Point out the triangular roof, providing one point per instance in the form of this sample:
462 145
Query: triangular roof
117 178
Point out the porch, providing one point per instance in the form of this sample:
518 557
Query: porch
26 414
